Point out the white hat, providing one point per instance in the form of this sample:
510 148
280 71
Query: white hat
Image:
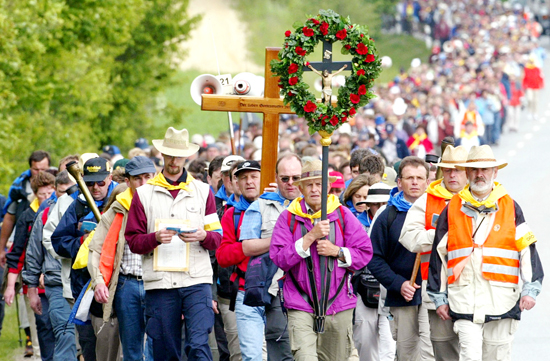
176 143
481 157
379 193
229 161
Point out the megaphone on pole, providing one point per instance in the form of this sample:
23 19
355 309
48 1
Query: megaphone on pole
205 84
248 84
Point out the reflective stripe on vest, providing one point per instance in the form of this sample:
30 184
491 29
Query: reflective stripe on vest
501 257
434 207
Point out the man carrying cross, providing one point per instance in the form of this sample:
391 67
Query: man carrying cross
298 246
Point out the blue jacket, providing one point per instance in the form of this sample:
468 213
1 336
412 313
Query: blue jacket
66 239
392 263
18 194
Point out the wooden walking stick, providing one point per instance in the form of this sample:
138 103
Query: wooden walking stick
439 174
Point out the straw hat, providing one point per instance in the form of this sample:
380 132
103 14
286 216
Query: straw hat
313 170
481 157
453 156
176 143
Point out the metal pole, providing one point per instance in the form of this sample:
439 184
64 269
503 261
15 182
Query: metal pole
324 184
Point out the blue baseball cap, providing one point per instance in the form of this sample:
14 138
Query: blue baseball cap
142 143
140 165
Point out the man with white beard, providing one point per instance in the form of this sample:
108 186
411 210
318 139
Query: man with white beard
482 247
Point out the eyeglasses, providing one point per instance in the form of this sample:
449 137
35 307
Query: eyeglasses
91 184
286 179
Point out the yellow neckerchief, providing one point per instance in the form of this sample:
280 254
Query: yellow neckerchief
473 134
34 205
160 181
498 192
530 66
296 208
417 140
437 188
125 198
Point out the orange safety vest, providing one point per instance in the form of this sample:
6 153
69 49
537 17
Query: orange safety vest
108 251
434 207
500 252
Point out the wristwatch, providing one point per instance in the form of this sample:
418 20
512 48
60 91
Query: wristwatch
341 253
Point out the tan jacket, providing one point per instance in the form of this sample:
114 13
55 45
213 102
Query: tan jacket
96 245
158 203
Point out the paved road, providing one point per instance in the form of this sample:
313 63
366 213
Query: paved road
526 178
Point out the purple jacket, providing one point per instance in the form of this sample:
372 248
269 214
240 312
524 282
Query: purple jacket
283 253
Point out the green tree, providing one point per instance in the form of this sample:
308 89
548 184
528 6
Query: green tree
78 74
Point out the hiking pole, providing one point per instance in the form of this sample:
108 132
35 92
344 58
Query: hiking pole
18 320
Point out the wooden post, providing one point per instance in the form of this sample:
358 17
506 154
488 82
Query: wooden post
271 105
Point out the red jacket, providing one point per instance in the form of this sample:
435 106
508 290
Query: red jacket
230 251
532 78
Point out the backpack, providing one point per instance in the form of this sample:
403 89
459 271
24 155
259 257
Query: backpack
258 277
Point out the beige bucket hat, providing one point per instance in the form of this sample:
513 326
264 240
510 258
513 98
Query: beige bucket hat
313 170
481 157
176 143
453 156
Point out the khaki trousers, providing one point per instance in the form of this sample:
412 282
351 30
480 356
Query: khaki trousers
444 339
412 333
491 341
107 346
336 343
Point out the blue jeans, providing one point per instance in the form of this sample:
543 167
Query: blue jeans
46 338
65 342
129 306
164 308
250 325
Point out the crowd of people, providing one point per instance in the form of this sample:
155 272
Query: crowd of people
259 275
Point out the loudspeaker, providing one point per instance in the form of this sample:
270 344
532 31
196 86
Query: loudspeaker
248 84
205 84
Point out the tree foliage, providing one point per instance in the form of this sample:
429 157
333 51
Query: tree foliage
78 74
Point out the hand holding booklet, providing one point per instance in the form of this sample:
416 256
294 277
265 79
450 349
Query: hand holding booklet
173 256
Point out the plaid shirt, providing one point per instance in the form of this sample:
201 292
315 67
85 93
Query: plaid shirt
131 263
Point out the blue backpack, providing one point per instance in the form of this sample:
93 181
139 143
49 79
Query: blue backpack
258 277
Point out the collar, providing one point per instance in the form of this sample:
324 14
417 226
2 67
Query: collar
297 207
182 183
490 202
438 189
125 198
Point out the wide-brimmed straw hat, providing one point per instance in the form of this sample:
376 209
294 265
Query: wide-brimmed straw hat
176 143
481 157
453 156
313 170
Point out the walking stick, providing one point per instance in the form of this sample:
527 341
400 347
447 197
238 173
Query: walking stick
18 320
439 174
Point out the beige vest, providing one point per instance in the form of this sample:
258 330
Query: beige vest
159 204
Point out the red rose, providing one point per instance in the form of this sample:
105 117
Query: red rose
280 85
344 119
362 49
314 21
290 94
334 120
342 34
287 33
347 46
307 63
323 121
310 107
362 90
370 58
293 80
293 68
361 35
324 28
300 51
354 98
360 72
307 31
352 111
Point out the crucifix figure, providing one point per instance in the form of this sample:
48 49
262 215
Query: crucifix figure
327 81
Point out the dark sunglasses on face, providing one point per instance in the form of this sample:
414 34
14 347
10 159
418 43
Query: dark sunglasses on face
287 179
91 184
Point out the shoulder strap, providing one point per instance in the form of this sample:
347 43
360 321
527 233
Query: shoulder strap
236 221
392 214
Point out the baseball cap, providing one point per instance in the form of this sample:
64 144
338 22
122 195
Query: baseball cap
142 143
248 165
140 165
121 163
229 160
339 182
112 150
389 128
96 170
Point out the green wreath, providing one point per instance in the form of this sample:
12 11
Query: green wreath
330 26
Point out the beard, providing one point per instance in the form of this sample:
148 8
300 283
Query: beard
173 169
481 185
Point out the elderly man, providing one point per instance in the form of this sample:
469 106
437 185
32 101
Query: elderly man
392 264
299 247
256 232
117 277
175 196
418 234
481 248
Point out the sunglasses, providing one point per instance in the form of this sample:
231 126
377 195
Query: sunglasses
91 184
286 179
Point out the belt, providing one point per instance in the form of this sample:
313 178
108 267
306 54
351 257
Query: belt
139 278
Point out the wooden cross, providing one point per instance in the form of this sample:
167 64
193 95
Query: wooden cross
271 105
327 63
